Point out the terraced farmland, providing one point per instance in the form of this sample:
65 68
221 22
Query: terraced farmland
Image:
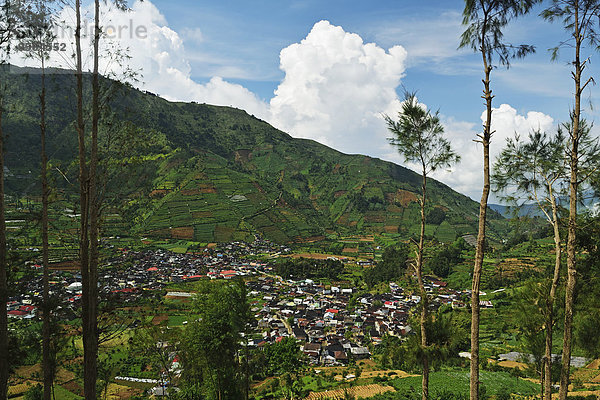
208 173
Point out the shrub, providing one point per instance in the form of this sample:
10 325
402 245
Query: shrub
34 393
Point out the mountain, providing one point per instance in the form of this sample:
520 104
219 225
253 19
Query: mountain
207 173
588 202
524 210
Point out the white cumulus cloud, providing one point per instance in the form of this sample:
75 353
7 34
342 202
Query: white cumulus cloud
336 87
153 50
194 35
467 177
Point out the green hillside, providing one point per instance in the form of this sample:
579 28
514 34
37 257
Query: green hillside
206 173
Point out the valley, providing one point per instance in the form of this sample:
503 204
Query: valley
236 261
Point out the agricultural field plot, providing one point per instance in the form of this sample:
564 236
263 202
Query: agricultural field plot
460 277
277 234
410 215
360 392
445 232
415 230
458 382
224 233
204 232
179 320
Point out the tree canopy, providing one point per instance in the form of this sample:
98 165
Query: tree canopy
210 344
392 266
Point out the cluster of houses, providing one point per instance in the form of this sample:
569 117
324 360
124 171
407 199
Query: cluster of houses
335 324
16 309
132 275
153 269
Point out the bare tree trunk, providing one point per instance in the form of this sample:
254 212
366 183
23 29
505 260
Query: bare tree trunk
480 246
424 300
89 355
246 370
542 386
4 360
219 388
572 226
5 38
46 362
551 298
92 323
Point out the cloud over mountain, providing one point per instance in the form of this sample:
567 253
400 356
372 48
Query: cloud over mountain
467 177
336 87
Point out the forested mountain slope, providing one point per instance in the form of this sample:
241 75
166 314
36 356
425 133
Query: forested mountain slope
208 173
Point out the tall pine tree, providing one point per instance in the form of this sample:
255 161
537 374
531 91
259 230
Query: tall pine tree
485 21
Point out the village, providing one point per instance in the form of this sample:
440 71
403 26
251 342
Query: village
334 323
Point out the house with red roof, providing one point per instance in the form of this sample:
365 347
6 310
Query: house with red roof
16 314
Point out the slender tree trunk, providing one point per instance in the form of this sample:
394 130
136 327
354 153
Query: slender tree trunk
92 295
89 356
219 388
424 300
572 226
4 360
480 246
46 361
542 386
247 370
551 298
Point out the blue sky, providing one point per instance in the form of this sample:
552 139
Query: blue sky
329 70
246 38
